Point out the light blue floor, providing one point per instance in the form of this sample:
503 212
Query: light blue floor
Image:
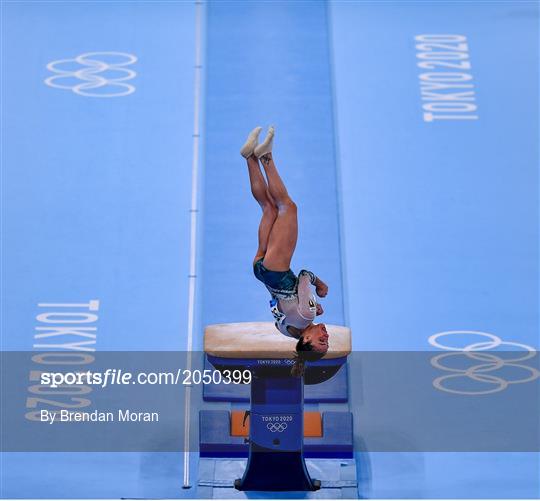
440 219
97 191
270 80
417 227
96 198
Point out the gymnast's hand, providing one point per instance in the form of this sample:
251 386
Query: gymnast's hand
321 288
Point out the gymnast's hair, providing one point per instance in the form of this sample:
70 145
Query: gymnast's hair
304 353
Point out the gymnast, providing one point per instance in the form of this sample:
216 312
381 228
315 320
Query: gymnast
293 305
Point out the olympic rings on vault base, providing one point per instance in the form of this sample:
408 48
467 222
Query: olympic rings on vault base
277 427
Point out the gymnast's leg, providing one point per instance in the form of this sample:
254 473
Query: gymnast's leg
259 190
284 231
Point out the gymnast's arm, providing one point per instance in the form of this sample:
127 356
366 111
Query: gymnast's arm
320 288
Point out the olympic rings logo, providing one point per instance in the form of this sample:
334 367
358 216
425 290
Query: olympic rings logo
99 70
276 427
490 363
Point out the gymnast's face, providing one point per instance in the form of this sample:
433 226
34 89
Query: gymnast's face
317 335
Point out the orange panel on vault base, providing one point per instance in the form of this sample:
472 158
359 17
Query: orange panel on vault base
312 424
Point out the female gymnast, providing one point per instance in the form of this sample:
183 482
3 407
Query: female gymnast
293 305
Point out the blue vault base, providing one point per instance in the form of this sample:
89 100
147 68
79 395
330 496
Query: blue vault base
337 476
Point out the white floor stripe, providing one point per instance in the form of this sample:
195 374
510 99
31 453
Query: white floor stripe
193 235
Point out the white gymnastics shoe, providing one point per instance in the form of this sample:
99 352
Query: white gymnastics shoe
266 146
252 140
